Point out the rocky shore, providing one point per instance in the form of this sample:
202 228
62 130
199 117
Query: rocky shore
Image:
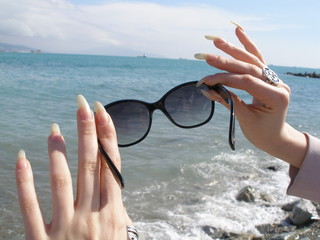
308 75
302 221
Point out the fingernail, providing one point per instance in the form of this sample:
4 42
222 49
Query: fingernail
21 154
55 129
201 56
83 106
101 113
21 163
238 25
200 82
210 37
212 95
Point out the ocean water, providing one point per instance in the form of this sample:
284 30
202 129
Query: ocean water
177 180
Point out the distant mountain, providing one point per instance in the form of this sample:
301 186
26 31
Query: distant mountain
4 47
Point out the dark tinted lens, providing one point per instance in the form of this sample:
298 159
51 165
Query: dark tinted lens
187 106
131 120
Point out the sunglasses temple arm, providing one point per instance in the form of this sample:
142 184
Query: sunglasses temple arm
224 93
117 175
232 138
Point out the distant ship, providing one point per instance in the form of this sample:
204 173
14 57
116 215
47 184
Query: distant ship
142 56
36 51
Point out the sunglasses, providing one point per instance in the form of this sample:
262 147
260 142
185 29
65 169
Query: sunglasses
184 105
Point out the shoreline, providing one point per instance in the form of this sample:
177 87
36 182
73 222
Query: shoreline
307 75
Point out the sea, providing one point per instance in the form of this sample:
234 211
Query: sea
177 181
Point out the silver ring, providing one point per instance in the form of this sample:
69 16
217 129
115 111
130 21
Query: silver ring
271 77
132 233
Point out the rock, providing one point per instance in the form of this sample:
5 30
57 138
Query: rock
273 168
266 197
289 206
216 233
246 194
303 212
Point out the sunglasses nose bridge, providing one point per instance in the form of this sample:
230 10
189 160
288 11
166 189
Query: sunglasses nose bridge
157 105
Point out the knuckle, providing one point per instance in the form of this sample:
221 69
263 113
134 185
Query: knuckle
284 97
91 167
60 181
87 128
23 178
29 206
249 78
254 70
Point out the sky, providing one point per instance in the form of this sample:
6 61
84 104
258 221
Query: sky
286 31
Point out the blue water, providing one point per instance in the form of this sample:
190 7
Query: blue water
177 180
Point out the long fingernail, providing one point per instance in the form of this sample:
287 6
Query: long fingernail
212 95
237 24
55 129
21 154
83 106
21 163
101 115
210 37
201 56
199 83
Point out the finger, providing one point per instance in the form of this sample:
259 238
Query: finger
29 205
231 65
88 193
60 179
235 52
248 44
269 96
109 187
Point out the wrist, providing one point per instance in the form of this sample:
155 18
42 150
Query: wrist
292 147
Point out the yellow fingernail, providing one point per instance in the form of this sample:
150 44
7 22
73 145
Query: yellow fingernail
200 82
103 117
201 56
55 129
212 95
82 103
21 154
98 107
209 37
237 24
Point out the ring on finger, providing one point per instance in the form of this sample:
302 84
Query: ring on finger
132 233
271 77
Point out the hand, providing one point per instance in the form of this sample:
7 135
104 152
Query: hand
263 120
98 211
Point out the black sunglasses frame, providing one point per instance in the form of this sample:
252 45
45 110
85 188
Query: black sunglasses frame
222 91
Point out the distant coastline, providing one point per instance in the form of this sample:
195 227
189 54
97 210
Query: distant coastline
307 75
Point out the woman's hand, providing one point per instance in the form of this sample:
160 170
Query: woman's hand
98 211
263 120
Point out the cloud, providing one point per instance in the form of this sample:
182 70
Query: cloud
130 28
149 27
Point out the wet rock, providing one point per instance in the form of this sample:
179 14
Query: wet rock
216 233
273 168
266 197
303 212
289 206
246 194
